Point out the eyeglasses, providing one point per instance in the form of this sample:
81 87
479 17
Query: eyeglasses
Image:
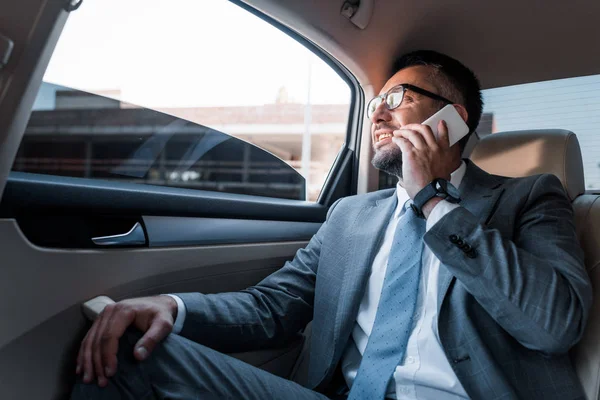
393 97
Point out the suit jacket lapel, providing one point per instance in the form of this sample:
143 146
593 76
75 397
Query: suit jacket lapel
479 192
370 227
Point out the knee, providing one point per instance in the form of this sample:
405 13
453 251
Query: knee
128 379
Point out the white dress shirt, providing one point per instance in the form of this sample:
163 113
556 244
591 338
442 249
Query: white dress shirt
425 373
181 313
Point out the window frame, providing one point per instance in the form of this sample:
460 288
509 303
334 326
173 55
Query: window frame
347 160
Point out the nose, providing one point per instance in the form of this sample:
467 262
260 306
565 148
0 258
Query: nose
380 114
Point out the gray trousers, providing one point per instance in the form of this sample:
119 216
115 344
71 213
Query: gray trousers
181 369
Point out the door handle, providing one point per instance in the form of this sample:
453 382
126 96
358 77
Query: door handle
135 237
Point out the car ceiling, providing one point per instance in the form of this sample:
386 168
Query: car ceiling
505 42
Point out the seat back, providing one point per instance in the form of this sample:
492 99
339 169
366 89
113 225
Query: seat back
586 355
524 153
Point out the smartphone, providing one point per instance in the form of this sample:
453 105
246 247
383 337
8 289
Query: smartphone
457 129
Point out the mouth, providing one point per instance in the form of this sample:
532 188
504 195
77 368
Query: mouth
383 137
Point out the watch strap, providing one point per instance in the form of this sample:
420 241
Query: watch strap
433 190
424 195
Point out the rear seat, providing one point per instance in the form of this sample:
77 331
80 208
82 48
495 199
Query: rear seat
523 153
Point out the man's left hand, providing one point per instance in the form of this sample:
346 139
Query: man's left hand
423 158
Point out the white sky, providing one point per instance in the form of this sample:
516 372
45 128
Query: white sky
186 53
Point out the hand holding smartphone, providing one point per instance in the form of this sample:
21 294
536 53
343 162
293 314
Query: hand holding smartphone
457 129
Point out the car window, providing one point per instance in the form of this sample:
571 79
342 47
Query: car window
216 99
572 104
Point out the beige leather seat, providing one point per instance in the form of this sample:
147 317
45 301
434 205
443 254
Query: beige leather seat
523 153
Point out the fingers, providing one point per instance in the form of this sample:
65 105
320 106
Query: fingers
97 358
413 137
118 321
97 345
443 134
428 135
80 358
421 136
160 328
86 365
404 144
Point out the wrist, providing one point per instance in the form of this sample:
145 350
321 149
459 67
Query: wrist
428 197
171 305
430 205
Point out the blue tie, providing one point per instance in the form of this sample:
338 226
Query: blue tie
393 322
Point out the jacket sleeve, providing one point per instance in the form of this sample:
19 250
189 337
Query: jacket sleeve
535 286
260 316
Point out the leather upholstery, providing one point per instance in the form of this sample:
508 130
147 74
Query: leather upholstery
522 153
586 355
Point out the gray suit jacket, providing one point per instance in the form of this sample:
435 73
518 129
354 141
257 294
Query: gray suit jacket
508 313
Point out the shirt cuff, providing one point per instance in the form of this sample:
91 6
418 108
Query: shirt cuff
439 211
181 314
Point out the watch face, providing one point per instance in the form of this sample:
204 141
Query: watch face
443 186
440 185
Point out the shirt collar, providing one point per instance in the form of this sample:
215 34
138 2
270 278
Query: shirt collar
455 179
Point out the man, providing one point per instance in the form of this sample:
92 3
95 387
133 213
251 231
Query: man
478 295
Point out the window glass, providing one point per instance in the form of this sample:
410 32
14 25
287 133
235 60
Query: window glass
572 104
89 136
188 93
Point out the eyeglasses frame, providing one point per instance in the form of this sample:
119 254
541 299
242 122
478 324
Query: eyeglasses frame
405 87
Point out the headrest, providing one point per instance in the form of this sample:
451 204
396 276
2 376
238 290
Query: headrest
524 153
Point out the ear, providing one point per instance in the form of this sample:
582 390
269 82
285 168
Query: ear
462 111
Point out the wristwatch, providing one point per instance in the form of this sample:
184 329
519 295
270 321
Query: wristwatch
436 188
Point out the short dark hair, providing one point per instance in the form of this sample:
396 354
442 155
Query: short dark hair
454 81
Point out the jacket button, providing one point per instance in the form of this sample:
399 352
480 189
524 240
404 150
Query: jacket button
460 243
466 248
472 253
453 238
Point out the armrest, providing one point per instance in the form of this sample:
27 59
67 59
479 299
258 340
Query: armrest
92 308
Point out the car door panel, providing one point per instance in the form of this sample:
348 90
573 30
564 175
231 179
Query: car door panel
53 211
46 232
46 310
27 192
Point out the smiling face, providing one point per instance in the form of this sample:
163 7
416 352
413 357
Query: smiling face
415 108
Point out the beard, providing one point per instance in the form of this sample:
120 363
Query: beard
389 160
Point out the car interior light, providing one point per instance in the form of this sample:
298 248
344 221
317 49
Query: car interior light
72 5
6 46
359 12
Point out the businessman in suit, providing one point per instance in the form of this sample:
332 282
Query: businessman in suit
456 284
